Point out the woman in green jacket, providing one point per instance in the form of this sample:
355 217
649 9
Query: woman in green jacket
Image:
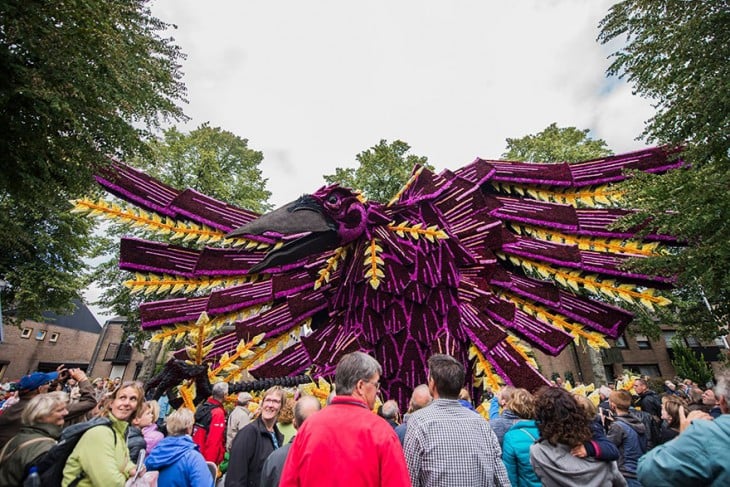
101 457
42 420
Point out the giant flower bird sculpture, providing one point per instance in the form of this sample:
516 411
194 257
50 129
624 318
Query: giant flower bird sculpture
482 263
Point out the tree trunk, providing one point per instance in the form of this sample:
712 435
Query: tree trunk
599 371
150 360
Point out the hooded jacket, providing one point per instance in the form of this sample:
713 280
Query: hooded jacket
502 423
628 433
180 463
516 453
556 466
698 456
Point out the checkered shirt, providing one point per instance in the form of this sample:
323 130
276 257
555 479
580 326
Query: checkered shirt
446 444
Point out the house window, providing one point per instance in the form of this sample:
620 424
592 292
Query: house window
668 338
692 342
41 335
621 342
53 338
26 333
649 370
643 342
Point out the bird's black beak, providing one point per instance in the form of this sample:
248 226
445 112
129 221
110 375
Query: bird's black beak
301 226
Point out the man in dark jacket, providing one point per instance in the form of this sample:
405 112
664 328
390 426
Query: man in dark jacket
628 434
255 442
647 399
274 464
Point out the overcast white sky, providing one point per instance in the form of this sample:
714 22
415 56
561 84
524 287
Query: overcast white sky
313 83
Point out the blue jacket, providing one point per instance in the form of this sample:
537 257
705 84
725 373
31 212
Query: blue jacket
180 463
516 453
629 435
698 456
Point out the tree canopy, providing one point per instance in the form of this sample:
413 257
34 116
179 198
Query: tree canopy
383 170
81 81
675 53
213 161
556 144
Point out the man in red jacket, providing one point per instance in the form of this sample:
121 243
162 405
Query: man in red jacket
346 443
209 432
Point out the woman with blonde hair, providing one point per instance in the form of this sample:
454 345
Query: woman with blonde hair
101 456
670 415
519 438
256 441
286 419
42 420
177 458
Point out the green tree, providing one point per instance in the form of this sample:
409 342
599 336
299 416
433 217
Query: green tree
213 161
383 170
675 53
690 365
81 80
562 144
556 144
210 160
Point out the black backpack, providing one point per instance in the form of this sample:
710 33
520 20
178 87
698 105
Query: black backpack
203 417
51 464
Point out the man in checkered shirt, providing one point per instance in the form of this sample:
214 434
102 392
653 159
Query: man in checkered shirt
446 444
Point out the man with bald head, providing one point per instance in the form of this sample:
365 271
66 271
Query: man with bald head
420 398
274 464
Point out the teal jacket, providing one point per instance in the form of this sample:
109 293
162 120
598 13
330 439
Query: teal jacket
698 456
516 453
103 460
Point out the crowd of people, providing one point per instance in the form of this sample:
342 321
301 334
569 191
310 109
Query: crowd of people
553 436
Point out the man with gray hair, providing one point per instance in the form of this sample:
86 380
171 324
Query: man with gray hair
239 417
274 464
700 455
363 445
209 432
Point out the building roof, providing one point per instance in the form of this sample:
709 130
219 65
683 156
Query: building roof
81 319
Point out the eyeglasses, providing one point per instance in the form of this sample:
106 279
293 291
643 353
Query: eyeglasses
272 400
376 384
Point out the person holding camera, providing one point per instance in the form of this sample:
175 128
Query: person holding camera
39 383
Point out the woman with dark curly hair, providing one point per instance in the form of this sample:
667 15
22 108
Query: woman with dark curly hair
563 424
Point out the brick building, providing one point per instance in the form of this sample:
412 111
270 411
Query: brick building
114 357
637 353
45 345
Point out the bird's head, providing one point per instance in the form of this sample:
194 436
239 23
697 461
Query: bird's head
331 217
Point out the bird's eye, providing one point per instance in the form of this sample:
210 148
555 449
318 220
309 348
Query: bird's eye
333 199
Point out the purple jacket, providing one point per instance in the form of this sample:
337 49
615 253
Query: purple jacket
151 436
